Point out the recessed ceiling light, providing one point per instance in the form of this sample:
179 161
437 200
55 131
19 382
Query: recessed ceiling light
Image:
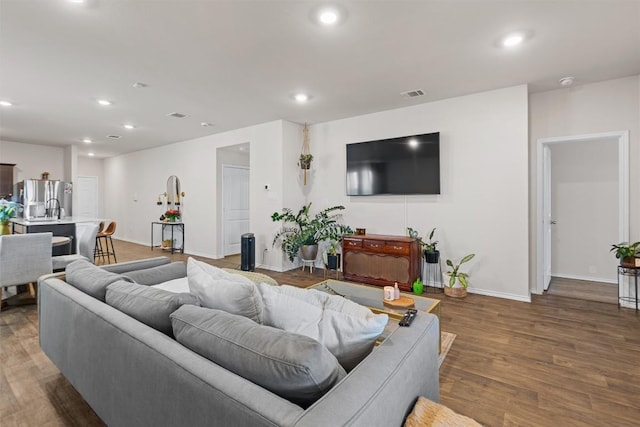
87 140
301 97
128 126
206 124
91 154
566 81
104 102
513 39
6 103
114 136
328 17
140 85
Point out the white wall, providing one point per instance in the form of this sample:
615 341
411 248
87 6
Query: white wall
612 105
32 159
483 203
134 180
584 204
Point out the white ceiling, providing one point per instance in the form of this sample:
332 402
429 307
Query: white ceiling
237 63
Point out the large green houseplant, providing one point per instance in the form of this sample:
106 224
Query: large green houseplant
301 229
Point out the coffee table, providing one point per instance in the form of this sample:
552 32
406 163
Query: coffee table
372 297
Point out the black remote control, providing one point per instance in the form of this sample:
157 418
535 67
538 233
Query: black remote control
408 317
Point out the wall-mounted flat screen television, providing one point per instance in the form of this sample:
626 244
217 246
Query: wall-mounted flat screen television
404 165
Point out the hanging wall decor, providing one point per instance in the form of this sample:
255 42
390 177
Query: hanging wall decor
305 156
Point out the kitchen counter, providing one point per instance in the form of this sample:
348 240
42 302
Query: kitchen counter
66 220
65 227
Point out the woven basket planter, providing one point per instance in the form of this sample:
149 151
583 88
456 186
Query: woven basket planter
455 292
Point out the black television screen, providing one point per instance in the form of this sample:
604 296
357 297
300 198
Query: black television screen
405 165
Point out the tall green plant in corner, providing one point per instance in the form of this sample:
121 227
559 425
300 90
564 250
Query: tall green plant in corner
301 228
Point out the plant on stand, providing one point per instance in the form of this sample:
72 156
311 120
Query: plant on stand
301 232
627 253
7 211
458 281
172 215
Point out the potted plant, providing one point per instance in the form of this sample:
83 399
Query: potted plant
627 253
333 257
431 254
305 161
301 232
173 215
458 281
7 211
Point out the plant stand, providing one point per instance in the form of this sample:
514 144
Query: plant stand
432 277
310 263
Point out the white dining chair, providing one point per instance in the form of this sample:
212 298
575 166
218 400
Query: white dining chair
86 243
23 259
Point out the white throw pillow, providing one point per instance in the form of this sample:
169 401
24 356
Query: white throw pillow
347 329
215 288
178 286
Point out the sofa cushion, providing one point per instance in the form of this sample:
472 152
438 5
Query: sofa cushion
347 329
215 288
91 279
292 366
146 304
253 276
177 286
155 275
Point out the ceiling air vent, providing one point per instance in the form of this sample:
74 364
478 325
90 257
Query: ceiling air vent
412 93
114 136
177 115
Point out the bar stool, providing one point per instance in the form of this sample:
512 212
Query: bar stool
97 250
104 237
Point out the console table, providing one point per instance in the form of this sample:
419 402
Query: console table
172 226
381 260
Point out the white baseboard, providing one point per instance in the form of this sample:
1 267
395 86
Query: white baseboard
196 253
500 294
585 278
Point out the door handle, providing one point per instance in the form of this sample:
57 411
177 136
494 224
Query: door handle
553 222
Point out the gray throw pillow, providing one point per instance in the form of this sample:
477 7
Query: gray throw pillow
148 305
292 366
160 274
91 279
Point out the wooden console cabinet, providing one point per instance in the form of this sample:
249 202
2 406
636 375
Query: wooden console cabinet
381 260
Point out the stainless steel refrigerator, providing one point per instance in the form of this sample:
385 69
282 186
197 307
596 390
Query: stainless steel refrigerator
45 199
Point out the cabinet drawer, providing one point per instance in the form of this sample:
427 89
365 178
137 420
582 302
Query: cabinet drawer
352 243
373 245
397 248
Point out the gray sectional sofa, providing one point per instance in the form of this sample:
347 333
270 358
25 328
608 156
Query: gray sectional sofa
134 375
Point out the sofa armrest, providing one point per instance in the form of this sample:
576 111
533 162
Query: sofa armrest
383 388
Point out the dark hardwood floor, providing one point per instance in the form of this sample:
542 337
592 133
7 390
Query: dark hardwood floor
555 362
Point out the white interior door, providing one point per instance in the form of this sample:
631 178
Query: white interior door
235 206
86 189
547 217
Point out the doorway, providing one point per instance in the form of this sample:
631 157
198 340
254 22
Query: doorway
235 206
87 197
233 189
578 192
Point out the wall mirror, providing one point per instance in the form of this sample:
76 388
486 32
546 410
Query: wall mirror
173 191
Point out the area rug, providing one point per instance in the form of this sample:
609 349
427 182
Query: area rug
446 342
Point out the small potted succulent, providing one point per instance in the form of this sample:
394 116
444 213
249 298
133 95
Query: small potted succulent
305 161
627 253
458 281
